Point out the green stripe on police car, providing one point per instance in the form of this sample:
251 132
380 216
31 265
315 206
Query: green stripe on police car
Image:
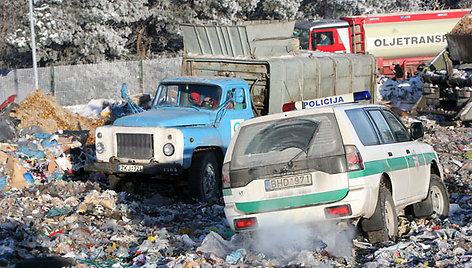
291 202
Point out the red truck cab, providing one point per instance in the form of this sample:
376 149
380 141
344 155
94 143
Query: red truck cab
309 33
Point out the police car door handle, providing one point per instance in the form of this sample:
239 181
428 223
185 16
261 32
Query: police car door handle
390 154
407 151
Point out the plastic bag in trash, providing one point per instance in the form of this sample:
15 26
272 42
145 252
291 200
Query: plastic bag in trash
236 256
53 212
37 154
3 183
214 243
28 177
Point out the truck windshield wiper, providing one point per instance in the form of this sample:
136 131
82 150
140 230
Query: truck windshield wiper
164 105
190 106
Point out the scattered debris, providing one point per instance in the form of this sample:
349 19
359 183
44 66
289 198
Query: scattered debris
464 26
42 110
53 214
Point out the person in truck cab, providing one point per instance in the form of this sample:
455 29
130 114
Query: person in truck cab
324 40
195 98
208 102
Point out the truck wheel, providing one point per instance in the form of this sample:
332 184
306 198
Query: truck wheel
123 184
437 200
204 177
385 217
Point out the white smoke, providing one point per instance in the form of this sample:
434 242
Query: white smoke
287 240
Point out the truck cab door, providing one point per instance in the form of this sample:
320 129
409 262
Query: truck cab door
237 110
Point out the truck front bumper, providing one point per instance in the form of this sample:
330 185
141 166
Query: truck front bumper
127 168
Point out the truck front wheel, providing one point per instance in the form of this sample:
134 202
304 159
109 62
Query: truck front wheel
123 184
204 177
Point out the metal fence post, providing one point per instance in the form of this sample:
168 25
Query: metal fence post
53 82
141 75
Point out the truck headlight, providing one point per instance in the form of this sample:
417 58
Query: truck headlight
99 135
99 147
168 149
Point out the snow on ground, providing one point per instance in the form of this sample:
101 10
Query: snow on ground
94 108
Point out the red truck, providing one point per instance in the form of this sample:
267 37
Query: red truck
404 39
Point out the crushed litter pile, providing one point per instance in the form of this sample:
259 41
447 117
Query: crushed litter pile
54 214
42 110
400 94
464 26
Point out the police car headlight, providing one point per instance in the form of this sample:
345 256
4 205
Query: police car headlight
99 148
168 149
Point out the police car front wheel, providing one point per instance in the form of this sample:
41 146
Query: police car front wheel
437 200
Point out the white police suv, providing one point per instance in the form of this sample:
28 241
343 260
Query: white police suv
349 161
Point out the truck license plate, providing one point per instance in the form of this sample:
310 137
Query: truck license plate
130 168
288 182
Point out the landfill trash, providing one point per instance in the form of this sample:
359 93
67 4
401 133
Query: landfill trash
9 100
214 243
41 109
236 256
7 123
65 217
3 183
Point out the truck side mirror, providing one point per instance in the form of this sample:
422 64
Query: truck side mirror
416 130
124 91
239 95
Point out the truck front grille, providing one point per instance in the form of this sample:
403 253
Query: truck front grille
134 146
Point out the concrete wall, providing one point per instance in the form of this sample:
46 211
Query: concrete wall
78 84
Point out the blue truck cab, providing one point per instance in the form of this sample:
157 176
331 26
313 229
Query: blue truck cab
186 132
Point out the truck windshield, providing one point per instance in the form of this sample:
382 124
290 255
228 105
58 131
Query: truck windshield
303 36
292 139
200 96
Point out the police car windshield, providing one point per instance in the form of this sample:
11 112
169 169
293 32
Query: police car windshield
281 141
184 95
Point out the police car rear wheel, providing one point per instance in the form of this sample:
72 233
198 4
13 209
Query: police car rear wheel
389 222
204 177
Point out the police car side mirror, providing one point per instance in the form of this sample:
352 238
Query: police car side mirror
416 130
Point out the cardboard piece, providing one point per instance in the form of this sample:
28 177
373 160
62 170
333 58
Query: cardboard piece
16 171
3 157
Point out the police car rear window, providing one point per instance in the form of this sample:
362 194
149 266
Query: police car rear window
279 141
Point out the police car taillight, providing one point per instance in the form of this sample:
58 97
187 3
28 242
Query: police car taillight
225 176
338 211
353 158
246 223
287 107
